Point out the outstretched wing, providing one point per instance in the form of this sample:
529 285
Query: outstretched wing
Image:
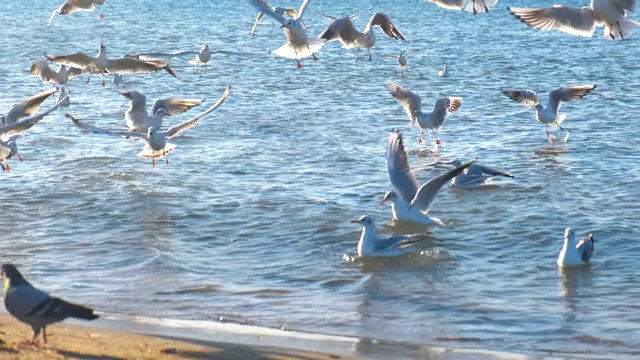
78 60
177 129
568 93
449 4
574 21
28 106
409 101
265 8
175 106
341 29
427 192
525 97
385 24
398 168
97 130
26 124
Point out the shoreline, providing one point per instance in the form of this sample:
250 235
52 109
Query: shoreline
115 337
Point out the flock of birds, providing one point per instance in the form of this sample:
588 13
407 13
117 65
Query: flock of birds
410 201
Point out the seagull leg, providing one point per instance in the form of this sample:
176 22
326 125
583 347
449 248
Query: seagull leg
357 54
369 50
611 32
434 135
206 68
153 162
297 59
20 158
312 54
620 29
166 160
7 168
546 130
103 82
89 78
44 334
3 167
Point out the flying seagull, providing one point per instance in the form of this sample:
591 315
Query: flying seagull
137 118
474 6
71 6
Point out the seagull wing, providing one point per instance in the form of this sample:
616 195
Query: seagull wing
97 130
19 128
175 106
125 66
303 7
341 29
28 106
575 21
449 4
398 168
255 24
385 24
177 129
409 101
525 97
263 7
444 106
79 60
41 68
568 93
427 192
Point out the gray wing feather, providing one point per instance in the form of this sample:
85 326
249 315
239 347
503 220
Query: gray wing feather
175 106
97 130
385 24
574 21
263 7
568 93
427 192
175 130
28 106
398 168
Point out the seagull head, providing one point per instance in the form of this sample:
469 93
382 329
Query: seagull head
389 196
591 238
11 275
102 46
162 112
568 233
151 131
204 46
3 120
363 220
288 23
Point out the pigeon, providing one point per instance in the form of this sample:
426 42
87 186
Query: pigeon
35 307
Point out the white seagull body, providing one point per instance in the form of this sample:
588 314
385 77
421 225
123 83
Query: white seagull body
156 140
573 254
409 201
612 14
401 59
137 118
550 115
370 245
47 75
299 45
412 105
202 57
473 6
343 30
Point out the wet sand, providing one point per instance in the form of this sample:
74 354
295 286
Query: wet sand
78 342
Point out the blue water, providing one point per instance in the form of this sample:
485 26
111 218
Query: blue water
250 220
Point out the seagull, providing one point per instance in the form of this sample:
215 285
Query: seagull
35 307
474 6
290 12
41 68
202 57
551 114
101 64
575 255
350 37
475 174
409 201
137 118
370 245
11 128
63 96
444 72
156 140
413 107
401 59
299 45
72 6
612 14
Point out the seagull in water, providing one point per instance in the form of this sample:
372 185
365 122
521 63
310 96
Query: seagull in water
299 45
575 255
409 201
9 134
350 37
101 64
612 14
474 6
137 118
35 307
550 116
476 175
401 59
156 140
412 105
290 12
202 57
444 72
370 245
72 6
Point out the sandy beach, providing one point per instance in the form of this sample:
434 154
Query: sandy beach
77 342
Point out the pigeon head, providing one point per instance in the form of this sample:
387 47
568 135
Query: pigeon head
11 276
389 196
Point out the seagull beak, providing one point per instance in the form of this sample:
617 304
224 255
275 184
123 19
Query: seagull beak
356 221
282 26
384 201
